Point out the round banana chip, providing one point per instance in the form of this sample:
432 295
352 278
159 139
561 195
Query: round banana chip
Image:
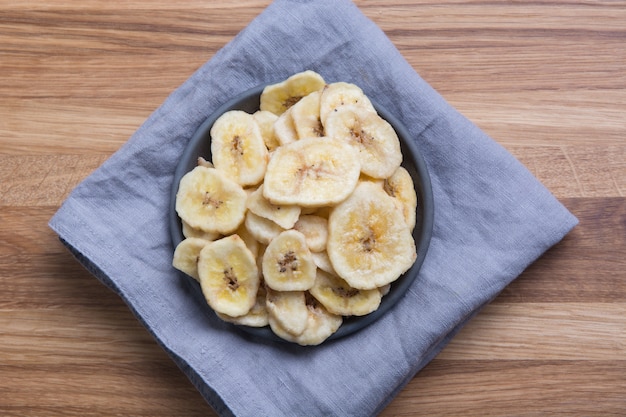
320 325
256 317
189 231
261 229
209 201
288 264
339 94
340 298
238 147
315 231
266 120
312 172
375 139
400 187
283 215
279 97
369 243
306 116
186 256
287 311
229 277
284 129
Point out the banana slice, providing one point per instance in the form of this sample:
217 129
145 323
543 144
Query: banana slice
315 231
266 120
186 256
322 261
365 177
339 298
287 311
229 277
323 211
259 262
384 290
285 129
238 148
306 116
283 215
263 230
252 244
256 317
339 94
369 243
288 264
279 97
312 172
189 231
378 144
400 186
203 162
320 325
209 201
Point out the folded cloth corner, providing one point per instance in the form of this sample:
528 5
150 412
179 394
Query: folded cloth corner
492 219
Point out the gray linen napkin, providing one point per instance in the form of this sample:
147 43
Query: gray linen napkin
492 219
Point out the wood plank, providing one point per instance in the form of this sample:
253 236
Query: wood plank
587 265
518 387
543 331
150 387
61 336
43 180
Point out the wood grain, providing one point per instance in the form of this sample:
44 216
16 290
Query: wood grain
546 79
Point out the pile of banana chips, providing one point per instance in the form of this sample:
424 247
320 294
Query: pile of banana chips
303 216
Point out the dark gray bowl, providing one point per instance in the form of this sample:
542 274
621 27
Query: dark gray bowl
200 145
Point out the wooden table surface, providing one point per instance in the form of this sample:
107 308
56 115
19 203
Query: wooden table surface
546 79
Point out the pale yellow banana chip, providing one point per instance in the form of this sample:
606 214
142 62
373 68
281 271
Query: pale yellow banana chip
312 172
209 201
369 243
375 139
323 211
315 231
238 148
189 231
262 229
340 298
256 317
288 264
339 94
306 116
229 277
287 310
204 163
279 97
266 120
283 215
322 261
186 256
284 129
251 242
400 186
384 290
320 325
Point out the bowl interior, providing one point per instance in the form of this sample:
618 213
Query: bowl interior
200 145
